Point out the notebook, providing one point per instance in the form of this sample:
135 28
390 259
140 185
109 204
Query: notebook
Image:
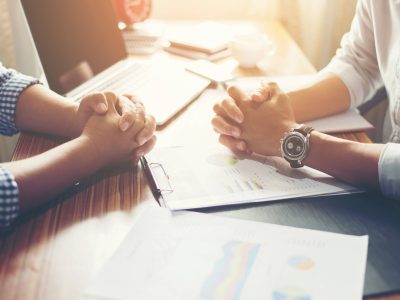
81 50
206 37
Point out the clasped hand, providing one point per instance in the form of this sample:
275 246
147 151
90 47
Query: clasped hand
117 127
255 122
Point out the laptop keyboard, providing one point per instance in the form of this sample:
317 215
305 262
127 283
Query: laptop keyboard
128 80
164 88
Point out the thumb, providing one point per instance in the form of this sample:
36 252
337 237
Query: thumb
95 102
264 92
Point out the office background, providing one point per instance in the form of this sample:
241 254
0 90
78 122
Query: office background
310 22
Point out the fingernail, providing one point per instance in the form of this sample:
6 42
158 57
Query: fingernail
101 107
241 146
239 118
124 126
141 140
236 133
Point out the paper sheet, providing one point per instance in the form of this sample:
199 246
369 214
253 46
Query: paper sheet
197 256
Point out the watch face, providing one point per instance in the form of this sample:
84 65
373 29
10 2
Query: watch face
294 146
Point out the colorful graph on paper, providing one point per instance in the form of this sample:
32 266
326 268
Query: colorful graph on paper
230 272
290 293
301 262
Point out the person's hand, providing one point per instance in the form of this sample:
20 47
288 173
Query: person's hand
109 144
226 123
96 103
265 122
130 109
228 118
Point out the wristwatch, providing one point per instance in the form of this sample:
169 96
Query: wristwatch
295 145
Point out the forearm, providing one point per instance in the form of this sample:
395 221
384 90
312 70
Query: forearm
326 97
41 110
353 162
42 177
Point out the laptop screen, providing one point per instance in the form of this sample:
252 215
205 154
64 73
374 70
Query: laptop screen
75 39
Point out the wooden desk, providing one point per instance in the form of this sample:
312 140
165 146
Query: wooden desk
56 252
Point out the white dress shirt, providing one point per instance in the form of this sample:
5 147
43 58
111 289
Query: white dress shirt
368 59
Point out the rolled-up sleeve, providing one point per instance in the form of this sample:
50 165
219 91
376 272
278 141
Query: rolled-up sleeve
12 84
356 60
9 204
389 170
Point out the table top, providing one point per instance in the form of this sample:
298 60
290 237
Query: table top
55 251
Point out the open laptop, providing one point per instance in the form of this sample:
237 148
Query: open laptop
81 50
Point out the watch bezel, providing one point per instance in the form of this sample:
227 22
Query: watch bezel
295 161
294 135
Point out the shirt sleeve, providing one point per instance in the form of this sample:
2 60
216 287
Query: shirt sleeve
389 170
9 205
356 60
12 84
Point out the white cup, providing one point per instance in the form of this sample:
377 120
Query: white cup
249 49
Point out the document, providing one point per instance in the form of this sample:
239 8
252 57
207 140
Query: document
195 177
188 255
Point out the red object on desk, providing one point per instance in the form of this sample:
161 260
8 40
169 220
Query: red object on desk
133 11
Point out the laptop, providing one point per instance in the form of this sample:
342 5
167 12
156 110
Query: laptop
82 50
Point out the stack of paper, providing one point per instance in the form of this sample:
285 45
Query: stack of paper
143 38
207 40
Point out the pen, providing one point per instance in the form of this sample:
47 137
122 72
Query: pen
150 178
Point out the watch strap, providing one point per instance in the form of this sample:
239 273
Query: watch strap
304 130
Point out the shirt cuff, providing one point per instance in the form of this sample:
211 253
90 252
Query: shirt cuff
350 78
9 202
389 170
11 88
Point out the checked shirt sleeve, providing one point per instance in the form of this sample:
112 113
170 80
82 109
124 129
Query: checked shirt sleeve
12 84
9 206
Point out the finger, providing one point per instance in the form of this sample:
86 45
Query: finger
148 131
139 107
146 148
265 92
232 110
140 123
140 110
112 100
128 113
133 98
94 102
221 111
222 126
237 94
238 147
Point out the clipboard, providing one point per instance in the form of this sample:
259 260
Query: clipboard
190 178
154 172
